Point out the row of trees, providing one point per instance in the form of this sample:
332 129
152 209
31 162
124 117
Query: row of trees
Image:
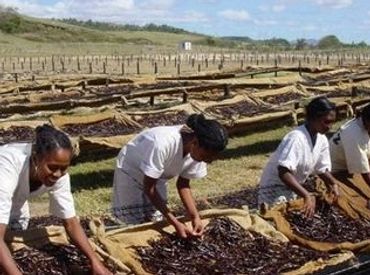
104 26
326 42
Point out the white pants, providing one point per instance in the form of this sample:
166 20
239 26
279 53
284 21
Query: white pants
275 195
20 219
130 204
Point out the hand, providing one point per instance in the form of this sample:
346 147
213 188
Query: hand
198 227
309 206
99 269
335 191
182 230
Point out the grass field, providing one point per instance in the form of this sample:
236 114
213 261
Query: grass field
240 166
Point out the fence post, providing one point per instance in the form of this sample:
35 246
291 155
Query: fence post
184 97
276 66
226 91
138 66
123 68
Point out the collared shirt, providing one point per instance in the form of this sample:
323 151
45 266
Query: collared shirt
15 187
158 153
350 148
297 153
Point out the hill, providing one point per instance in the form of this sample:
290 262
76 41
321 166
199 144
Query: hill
13 24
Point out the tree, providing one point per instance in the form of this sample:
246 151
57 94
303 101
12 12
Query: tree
329 42
301 44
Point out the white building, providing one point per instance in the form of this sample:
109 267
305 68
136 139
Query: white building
185 45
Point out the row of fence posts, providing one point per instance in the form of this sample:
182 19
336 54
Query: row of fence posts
156 70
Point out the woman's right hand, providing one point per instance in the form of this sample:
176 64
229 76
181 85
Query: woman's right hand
182 230
309 206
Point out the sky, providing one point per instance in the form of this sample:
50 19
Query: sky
349 20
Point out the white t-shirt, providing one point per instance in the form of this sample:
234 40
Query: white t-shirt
296 153
15 187
158 153
350 148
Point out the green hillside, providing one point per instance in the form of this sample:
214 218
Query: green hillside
19 33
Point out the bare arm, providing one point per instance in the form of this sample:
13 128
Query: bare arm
288 178
366 178
6 261
183 187
330 183
78 236
157 201
152 193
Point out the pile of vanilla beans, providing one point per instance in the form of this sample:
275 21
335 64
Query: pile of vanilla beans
160 119
54 259
104 128
16 133
240 109
226 248
329 224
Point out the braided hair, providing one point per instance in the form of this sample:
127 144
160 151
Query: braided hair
210 133
49 139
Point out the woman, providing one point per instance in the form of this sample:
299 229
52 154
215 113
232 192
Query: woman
27 170
302 152
350 147
154 156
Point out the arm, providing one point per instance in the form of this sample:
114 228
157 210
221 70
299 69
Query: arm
187 199
157 201
366 178
76 233
7 263
330 183
288 179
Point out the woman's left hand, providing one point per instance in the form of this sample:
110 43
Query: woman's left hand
335 191
198 227
99 269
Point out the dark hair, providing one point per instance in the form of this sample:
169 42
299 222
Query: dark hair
365 113
49 139
210 133
319 107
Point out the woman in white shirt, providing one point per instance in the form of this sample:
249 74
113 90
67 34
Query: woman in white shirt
156 155
302 152
350 147
27 170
